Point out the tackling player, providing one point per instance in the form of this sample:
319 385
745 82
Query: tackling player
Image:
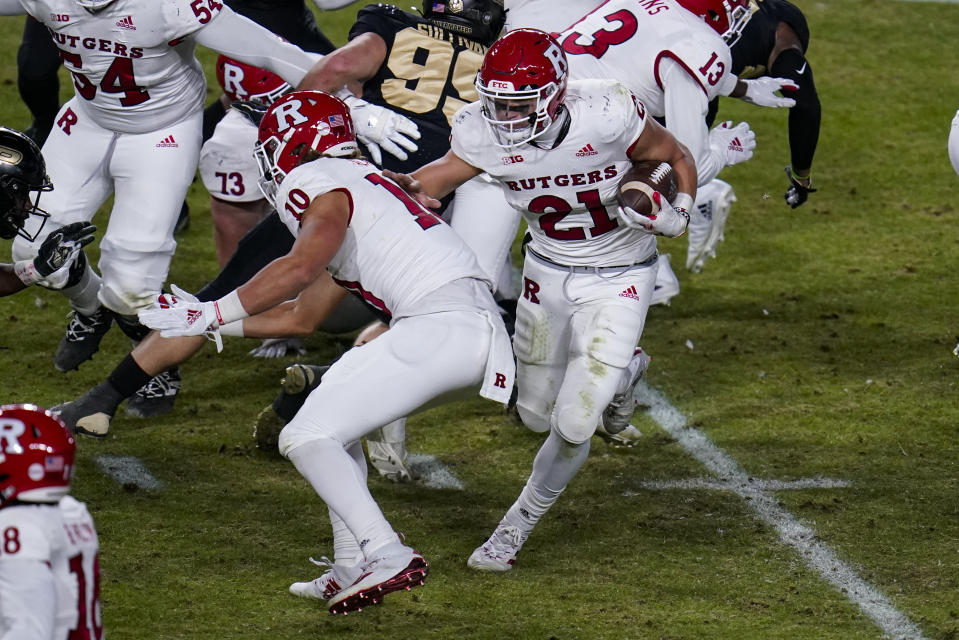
23 178
774 43
558 149
49 566
446 334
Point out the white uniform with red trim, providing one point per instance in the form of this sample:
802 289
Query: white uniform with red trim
588 278
49 572
227 166
568 194
667 56
446 333
133 128
547 15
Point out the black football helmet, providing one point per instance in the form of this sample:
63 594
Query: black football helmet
22 171
479 20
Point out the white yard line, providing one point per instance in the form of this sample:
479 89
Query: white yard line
792 532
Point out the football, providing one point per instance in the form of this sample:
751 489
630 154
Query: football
638 183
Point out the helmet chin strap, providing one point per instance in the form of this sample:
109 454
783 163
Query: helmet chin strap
555 133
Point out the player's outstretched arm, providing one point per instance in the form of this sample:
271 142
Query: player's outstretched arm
438 179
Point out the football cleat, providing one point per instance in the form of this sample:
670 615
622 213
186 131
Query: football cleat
82 339
628 437
90 414
297 383
707 221
499 552
620 410
330 583
667 284
157 396
386 448
393 567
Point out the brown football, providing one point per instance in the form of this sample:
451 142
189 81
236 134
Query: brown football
638 183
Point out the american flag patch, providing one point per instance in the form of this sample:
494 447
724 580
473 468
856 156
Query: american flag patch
336 120
53 463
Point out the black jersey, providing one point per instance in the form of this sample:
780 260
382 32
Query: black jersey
427 76
751 52
289 19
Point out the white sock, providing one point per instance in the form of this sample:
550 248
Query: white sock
83 295
554 466
346 550
340 482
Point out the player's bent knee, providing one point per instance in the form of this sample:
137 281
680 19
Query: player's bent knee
533 420
299 432
573 431
124 301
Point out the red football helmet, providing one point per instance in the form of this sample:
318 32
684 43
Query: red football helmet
727 17
299 123
522 84
36 454
241 81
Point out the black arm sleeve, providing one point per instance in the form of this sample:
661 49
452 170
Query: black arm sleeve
805 117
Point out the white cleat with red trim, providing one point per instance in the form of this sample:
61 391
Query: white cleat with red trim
393 567
329 584
499 552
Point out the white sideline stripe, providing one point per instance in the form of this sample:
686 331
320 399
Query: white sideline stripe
431 472
763 485
791 531
128 470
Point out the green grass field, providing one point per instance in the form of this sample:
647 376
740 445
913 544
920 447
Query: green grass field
821 348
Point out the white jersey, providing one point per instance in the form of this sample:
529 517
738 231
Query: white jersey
551 16
132 63
227 166
395 251
568 194
631 40
62 537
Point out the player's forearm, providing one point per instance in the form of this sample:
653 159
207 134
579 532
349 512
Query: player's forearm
9 282
239 37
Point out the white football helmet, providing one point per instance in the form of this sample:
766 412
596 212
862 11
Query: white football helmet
94 5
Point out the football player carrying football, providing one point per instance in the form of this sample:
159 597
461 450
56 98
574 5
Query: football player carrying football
49 566
446 333
558 149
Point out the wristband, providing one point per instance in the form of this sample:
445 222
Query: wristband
27 272
229 308
798 178
234 329
683 201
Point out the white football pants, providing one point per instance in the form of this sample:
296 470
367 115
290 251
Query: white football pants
148 173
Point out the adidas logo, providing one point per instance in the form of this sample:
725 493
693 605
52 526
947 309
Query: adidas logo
192 315
587 151
736 145
630 292
168 142
126 23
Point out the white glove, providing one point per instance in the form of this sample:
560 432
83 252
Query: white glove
733 144
762 92
666 221
182 314
379 127
279 348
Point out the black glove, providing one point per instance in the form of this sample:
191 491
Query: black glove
61 246
796 194
253 110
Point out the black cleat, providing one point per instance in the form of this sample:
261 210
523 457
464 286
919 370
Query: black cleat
297 383
82 338
90 414
157 396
